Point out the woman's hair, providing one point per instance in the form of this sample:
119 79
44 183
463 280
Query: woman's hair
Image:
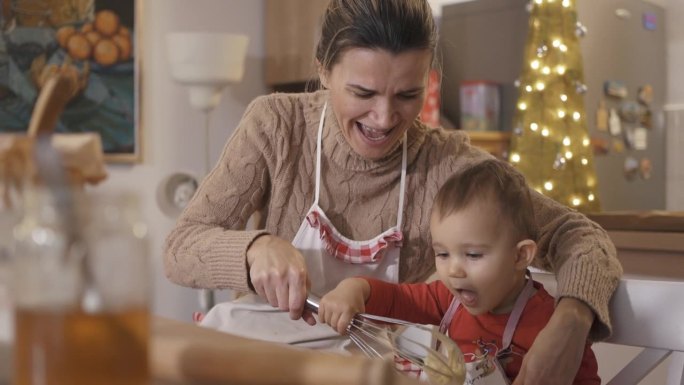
392 25
491 181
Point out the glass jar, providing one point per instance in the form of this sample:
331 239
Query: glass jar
81 291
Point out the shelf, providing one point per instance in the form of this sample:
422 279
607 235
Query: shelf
494 142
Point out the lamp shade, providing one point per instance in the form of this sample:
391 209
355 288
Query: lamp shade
206 62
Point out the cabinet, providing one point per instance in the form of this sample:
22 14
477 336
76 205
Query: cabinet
292 30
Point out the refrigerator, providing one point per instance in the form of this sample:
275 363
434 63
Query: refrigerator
623 51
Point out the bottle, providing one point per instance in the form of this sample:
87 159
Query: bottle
80 291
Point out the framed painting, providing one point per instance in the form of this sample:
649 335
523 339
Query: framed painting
96 42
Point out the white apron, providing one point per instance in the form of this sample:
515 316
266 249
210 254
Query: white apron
330 257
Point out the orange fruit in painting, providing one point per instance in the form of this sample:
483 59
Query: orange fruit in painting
79 47
124 31
124 44
106 52
64 33
87 27
93 37
107 22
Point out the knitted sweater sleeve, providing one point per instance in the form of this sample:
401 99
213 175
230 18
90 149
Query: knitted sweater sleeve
207 247
581 255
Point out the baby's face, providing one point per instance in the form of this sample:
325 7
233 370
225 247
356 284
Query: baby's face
475 257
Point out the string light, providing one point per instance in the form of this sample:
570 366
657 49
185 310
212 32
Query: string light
563 48
546 70
556 43
522 106
576 116
535 64
566 141
566 3
515 157
576 201
564 97
568 155
528 88
560 70
584 161
561 114
540 86
548 186
591 197
534 126
545 132
586 142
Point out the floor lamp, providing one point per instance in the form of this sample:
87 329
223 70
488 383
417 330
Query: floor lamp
206 63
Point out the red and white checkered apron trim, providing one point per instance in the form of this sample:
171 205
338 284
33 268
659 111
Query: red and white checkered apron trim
349 251
406 367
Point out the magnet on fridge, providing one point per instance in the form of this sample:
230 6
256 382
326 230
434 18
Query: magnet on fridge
646 118
645 94
631 167
629 137
649 20
618 146
615 88
614 124
645 167
630 111
599 145
640 138
602 116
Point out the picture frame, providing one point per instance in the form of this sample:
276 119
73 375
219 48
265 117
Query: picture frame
95 41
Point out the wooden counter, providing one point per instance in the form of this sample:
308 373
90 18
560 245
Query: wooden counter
182 353
650 244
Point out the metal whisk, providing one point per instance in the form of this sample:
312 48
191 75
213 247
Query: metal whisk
415 348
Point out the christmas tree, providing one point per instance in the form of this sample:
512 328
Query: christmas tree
550 143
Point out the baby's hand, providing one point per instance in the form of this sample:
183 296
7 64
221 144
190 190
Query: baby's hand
340 305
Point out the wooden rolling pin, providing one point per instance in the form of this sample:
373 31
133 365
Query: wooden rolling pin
187 354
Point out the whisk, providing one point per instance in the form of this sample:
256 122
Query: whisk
424 348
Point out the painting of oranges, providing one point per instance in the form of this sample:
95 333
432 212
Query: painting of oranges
104 40
93 41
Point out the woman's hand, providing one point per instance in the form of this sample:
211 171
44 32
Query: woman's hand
278 273
557 352
340 305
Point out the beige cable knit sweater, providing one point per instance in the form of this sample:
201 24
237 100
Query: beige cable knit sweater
269 165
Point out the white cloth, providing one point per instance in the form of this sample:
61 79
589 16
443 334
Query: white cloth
253 317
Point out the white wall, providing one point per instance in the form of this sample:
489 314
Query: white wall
172 131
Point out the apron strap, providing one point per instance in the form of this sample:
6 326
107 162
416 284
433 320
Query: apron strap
518 308
318 153
402 186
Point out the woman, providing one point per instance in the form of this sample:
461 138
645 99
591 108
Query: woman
352 162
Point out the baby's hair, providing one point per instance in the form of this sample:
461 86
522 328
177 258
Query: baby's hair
493 180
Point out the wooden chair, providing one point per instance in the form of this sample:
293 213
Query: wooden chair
647 314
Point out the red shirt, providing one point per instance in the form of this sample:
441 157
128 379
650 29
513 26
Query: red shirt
427 303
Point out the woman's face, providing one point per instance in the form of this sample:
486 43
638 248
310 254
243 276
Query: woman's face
376 96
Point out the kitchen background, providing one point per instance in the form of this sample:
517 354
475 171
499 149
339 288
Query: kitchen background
171 128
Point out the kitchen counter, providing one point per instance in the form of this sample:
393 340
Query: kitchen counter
650 244
182 353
